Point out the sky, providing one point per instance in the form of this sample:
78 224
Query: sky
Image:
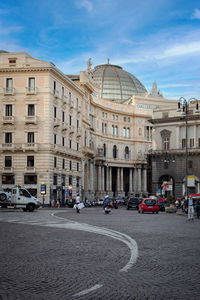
152 39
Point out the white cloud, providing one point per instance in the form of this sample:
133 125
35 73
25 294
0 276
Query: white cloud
85 4
196 14
182 49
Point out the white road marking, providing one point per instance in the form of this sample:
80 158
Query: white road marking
84 292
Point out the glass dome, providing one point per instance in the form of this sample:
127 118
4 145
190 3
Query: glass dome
116 84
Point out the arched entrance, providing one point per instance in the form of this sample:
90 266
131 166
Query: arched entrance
166 185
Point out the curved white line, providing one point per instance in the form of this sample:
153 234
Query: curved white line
84 292
126 239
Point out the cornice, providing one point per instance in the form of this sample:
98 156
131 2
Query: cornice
174 119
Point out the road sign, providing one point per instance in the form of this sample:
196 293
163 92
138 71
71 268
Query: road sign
43 189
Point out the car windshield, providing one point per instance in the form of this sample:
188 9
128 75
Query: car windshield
133 200
150 202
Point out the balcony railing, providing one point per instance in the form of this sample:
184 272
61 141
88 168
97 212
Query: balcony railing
31 90
7 146
30 169
8 169
30 119
30 146
9 91
8 119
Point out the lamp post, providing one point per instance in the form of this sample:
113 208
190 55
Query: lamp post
183 105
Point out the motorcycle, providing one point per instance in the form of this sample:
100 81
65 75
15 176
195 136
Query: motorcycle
107 209
115 205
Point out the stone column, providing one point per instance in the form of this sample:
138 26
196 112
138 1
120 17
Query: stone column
195 137
83 174
91 176
130 180
102 179
122 179
110 180
139 180
118 179
107 179
99 178
144 180
135 177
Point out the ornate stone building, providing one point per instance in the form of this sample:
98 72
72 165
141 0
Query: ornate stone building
168 155
87 131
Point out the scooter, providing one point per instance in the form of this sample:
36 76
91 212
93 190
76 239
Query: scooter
107 208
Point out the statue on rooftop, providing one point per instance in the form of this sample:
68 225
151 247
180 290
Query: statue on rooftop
89 65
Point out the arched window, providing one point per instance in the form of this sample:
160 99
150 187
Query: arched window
114 151
124 131
116 131
128 132
113 130
126 152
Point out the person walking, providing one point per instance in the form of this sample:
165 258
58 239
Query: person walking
78 200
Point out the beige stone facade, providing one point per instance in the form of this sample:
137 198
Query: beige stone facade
56 129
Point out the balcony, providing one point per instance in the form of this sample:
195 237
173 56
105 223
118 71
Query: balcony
78 132
30 147
71 129
30 119
88 151
30 169
9 91
7 146
71 104
56 122
64 99
8 119
56 93
7 169
73 152
31 90
64 126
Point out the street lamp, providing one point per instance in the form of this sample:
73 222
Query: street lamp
183 105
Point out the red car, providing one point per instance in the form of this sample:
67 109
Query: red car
148 205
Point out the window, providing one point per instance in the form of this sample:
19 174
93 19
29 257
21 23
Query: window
63 180
63 91
55 162
8 179
70 180
8 110
114 151
55 180
30 161
30 137
30 179
12 61
9 84
8 161
8 137
116 131
77 167
31 109
55 112
31 84
124 119
70 97
63 163
70 164
165 141
85 139
113 117
128 132
77 146
104 150
70 120
77 182
140 131
77 123
124 131
183 143
198 142
128 119
54 139
63 141
63 116
192 143
113 129
126 153
54 87
116 117
77 103
70 144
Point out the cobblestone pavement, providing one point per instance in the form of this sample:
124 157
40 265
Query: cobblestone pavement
44 257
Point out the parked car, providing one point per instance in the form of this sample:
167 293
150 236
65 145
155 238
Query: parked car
148 205
133 203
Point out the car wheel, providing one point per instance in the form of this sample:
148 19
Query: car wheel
31 207
3 197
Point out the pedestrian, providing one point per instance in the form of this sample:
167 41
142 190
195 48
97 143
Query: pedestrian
52 203
58 203
78 200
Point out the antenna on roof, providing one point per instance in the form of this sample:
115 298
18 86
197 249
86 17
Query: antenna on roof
108 61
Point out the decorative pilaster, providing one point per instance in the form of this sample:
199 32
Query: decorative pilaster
118 179
130 180
144 180
139 180
102 179
99 178
122 179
